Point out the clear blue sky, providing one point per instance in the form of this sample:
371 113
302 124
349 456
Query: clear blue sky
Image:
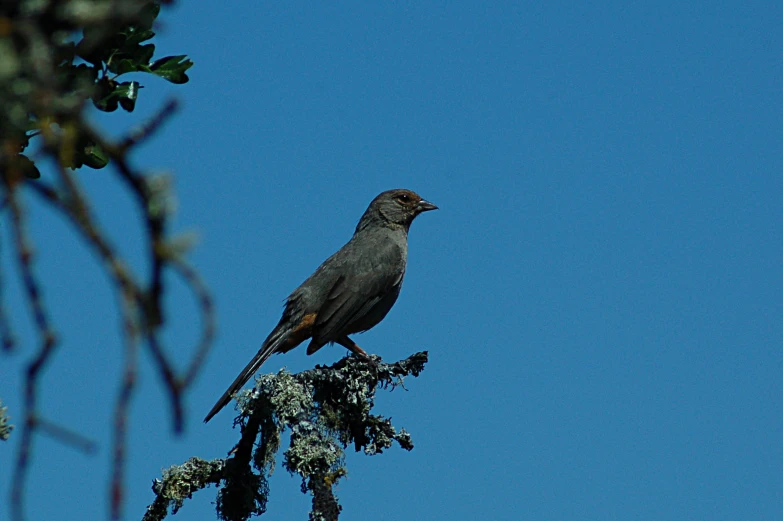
600 292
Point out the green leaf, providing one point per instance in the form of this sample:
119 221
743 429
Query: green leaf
131 58
95 156
134 36
143 53
172 68
147 15
86 73
102 96
109 42
127 89
123 66
98 44
128 92
77 77
123 94
107 105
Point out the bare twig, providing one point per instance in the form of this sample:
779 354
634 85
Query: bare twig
47 342
198 287
74 203
145 131
127 385
7 340
53 95
67 436
155 214
173 383
136 312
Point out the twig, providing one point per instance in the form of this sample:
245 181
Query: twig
47 342
151 304
171 380
198 287
134 304
74 204
6 335
130 334
53 98
155 217
145 131
67 436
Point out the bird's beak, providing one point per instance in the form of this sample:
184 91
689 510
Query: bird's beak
425 206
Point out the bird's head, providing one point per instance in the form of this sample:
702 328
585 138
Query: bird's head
396 208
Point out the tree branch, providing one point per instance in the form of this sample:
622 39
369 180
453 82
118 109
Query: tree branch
325 409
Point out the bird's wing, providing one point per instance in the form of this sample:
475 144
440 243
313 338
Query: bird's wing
357 291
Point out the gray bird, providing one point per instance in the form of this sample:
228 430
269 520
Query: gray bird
350 292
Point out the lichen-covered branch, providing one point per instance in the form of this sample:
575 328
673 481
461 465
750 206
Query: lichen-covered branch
180 482
325 409
5 427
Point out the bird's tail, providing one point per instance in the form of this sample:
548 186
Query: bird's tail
268 348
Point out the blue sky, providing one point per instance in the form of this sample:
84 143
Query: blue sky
600 292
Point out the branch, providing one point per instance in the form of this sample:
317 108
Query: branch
208 326
5 427
7 341
179 483
66 436
325 409
52 80
46 338
127 386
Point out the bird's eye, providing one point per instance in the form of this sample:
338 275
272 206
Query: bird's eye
404 198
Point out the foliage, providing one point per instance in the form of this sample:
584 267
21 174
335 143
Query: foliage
55 56
58 57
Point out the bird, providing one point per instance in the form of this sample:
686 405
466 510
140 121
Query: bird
351 292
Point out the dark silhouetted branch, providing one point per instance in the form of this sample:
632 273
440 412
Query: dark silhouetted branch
66 436
46 344
43 102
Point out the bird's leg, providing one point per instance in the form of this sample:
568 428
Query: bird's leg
353 348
